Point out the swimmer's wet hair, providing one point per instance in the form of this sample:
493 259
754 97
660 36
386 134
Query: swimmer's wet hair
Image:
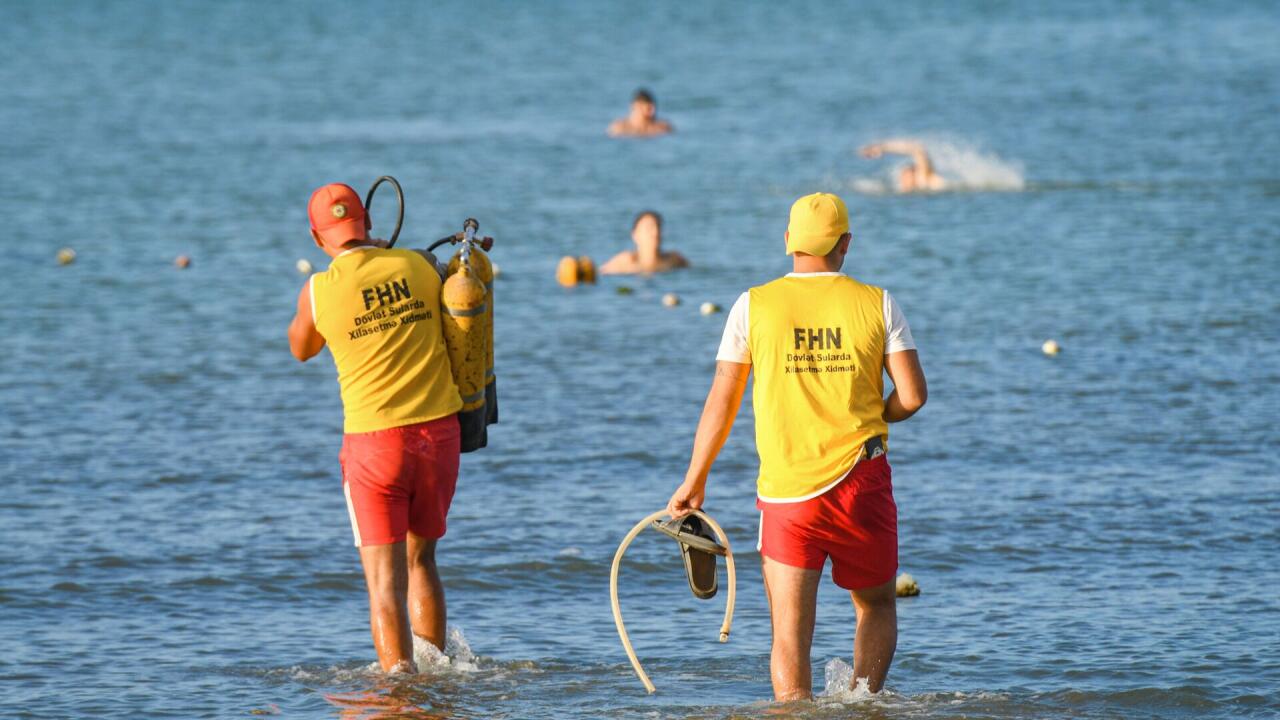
657 217
645 95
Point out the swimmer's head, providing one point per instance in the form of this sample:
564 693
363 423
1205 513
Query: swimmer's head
646 230
643 104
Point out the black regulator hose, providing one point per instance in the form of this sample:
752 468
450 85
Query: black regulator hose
469 229
368 203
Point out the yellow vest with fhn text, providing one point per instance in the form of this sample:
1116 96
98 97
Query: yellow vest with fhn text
379 313
817 351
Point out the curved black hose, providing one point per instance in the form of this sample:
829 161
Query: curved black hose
442 241
368 203
469 224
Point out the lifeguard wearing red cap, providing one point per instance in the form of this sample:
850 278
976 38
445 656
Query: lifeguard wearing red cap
337 215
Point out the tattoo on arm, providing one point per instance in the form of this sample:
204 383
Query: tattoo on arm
733 371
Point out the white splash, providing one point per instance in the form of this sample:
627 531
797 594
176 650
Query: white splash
967 168
963 165
841 687
457 654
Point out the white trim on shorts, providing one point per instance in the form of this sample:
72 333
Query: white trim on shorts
351 511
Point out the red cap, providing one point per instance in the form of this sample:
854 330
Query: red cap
337 214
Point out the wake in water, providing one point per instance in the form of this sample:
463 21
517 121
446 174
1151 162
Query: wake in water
963 167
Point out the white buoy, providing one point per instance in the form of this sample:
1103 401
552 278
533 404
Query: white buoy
304 266
496 270
66 256
1051 347
671 299
709 308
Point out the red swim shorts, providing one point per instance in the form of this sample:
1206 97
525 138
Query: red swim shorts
400 479
855 523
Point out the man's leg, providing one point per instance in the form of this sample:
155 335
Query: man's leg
426 593
388 579
793 599
877 634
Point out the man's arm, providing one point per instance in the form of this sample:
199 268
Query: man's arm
304 340
718 414
919 158
909 388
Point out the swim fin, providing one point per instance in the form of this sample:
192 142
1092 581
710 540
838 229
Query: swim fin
699 549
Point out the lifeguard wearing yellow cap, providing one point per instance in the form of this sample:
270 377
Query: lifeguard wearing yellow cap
817 222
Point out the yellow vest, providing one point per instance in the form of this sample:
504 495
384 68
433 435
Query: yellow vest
379 313
817 351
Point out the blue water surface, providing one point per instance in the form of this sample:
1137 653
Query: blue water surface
1096 534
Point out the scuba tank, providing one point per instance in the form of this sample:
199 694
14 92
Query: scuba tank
467 304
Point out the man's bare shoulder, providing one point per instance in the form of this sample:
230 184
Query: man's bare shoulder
624 263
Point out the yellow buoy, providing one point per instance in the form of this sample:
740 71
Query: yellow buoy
575 271
586 270
709 308
567 271
66 256
671 300
1051 347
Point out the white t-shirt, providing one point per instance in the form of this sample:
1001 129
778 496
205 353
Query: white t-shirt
734 346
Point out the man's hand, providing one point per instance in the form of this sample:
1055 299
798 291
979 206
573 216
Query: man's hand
687 498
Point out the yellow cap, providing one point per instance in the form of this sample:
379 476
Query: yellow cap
817 221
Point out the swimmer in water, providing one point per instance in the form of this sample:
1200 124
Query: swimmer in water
648 257
642 120
919 176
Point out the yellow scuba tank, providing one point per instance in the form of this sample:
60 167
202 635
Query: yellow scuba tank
466 299
482 269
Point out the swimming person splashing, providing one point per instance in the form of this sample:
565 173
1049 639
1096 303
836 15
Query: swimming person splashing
378 310
919 176
819 343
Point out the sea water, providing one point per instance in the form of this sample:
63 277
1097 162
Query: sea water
1095 534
